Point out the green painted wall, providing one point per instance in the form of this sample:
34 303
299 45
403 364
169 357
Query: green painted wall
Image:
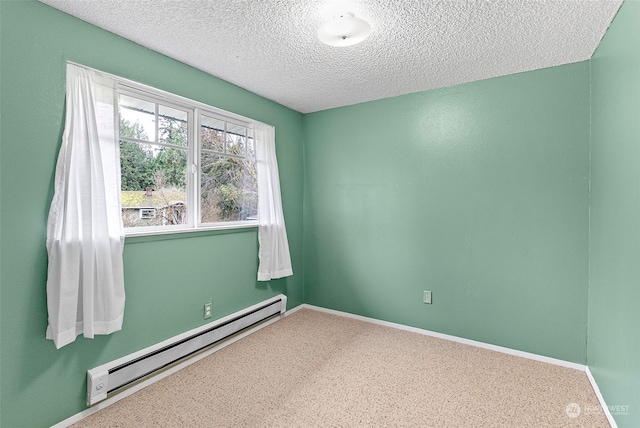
613 351
477 192
167 280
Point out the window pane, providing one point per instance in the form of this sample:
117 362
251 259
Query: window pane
154 185
212 134
137 118
136 165
170 169
172 126
236 139
228 189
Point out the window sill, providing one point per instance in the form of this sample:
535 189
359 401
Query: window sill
155 235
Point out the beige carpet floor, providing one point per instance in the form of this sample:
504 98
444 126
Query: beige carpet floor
313 369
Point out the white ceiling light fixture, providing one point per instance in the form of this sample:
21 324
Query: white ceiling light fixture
344 30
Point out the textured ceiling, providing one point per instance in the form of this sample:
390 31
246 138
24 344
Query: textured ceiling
270 47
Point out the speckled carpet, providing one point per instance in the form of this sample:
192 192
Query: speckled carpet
313 369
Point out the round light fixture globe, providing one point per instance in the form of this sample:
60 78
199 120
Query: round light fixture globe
344 30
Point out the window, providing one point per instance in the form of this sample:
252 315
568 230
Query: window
228 186
183 165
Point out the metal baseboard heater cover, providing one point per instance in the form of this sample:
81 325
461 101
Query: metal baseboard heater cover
116 375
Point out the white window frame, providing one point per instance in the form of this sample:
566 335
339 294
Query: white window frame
194 110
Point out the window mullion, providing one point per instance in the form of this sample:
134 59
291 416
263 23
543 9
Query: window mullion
151 143
157 123
195 168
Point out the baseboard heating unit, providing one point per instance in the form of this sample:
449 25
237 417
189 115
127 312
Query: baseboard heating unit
112 377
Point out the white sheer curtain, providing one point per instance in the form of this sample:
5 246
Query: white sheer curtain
85 236
275 261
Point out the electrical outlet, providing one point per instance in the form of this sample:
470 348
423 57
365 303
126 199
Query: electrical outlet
426 296
207 310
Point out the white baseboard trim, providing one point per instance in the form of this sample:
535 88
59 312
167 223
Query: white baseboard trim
109 401
603 403
293 311
475 343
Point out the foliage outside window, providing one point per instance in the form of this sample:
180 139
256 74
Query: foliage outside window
183 167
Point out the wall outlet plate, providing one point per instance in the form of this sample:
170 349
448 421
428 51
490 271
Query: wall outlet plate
426 296
207 310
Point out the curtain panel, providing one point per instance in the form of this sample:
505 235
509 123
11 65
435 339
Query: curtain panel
85 235
274 257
